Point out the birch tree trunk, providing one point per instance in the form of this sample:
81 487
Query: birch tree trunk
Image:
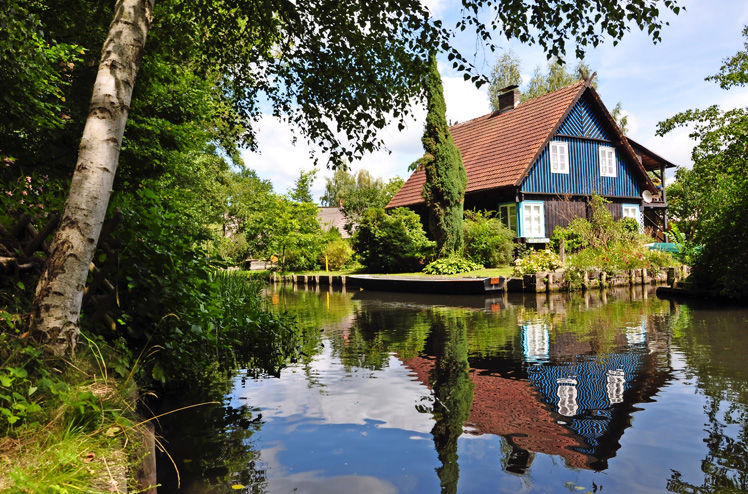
57 302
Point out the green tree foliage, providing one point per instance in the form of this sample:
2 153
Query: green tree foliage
504 73
271 224
557 76
302 190
715 191
339 187
487 240
684 200
250 211
446 179
174 306
621 119
358 192
391 243
294 234
34 75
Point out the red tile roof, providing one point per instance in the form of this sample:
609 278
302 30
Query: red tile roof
515 409
498 149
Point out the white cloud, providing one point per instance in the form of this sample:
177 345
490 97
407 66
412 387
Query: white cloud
464 100
387 396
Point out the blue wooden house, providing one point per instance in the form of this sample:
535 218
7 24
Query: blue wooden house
538 162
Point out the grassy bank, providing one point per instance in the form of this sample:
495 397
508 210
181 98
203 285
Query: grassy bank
67 425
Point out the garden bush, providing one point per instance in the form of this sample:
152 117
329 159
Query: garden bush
536 262
337 254
487 240
451 265
599 231
392 243
620 257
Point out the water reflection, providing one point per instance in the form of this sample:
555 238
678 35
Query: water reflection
406 393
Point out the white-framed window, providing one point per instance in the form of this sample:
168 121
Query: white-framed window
630 211
559 157
508 216
533 219
607 161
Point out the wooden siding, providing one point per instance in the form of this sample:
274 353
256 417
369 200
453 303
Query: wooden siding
581 122
560 211
584 173
584 132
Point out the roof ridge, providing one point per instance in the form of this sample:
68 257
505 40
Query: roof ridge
522 103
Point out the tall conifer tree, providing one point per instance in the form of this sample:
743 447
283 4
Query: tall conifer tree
446 179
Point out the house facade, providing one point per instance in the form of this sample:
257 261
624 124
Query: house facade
538 162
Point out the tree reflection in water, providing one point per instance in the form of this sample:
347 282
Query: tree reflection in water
715 355
453 392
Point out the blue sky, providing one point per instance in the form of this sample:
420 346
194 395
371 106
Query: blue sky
652 82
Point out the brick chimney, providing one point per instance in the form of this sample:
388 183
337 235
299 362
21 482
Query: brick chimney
508 98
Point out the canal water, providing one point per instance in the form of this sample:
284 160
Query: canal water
612 392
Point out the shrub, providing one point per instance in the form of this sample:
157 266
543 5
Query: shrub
392 242
537 261
451 265
570 236
229 251
599 231
487 240
337 253
172 301
687 249
620 257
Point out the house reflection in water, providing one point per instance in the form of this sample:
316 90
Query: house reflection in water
566 396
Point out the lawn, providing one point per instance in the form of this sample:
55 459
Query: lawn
480 273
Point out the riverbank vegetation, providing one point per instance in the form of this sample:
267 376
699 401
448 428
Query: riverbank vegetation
710 200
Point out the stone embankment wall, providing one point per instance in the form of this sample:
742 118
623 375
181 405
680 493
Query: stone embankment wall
555 281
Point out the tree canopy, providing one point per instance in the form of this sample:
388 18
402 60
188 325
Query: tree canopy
718 182
357 192
506 72
302 189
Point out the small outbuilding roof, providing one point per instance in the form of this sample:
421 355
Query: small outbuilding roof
333 217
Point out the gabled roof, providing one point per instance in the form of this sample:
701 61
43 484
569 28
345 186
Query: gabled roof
499 149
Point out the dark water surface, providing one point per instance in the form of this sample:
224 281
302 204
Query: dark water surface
602 392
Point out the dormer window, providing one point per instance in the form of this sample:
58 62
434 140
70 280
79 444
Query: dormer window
559 157
607 161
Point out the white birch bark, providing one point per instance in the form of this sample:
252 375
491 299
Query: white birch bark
57 302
